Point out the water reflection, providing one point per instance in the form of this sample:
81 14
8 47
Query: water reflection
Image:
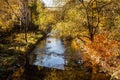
51 54
54 45
53 59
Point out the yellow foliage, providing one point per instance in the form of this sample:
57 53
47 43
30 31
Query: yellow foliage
18 73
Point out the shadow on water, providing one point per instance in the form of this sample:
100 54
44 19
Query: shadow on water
53 59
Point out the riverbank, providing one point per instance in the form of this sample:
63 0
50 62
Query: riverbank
102 55
47 66
13 53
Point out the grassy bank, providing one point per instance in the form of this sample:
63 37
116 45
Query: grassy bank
13 52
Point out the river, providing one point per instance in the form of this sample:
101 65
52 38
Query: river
53 59
52 53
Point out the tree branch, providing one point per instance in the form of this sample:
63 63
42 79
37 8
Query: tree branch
13 11
100 8
83 4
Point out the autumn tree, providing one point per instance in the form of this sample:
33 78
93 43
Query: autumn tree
45 18
24 17
8 14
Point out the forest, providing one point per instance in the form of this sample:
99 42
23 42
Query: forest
91 27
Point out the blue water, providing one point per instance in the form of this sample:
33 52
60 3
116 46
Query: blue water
51 54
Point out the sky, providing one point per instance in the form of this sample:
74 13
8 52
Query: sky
48 2
53 3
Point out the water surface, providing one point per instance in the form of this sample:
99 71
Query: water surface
53 59
52 53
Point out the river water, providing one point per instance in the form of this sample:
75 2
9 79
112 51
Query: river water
52 53
53 59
